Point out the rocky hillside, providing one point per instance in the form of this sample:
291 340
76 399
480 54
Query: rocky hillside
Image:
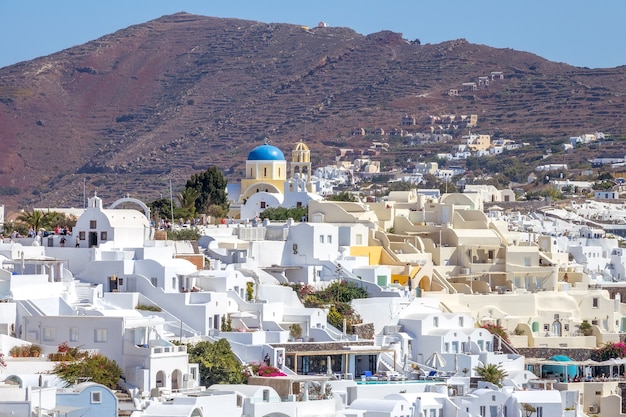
155 102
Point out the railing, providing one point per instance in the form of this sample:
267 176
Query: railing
506 346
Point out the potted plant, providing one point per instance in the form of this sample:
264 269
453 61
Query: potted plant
295 331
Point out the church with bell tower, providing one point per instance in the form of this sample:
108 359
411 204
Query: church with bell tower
271 182
300 169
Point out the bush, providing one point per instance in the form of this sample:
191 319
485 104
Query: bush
95 368
148 308
338 296
295 331
65 353
261 369
585 328
218 363
497 330
609 351
183 234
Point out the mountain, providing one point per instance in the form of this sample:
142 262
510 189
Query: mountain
159 101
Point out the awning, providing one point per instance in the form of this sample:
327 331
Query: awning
65 409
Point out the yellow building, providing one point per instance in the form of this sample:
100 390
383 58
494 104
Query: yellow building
300 168
266 171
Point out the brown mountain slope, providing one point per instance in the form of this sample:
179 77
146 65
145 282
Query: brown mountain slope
126 113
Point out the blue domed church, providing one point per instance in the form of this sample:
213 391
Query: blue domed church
269 182
266 170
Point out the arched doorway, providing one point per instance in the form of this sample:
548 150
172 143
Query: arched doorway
177 378
161 379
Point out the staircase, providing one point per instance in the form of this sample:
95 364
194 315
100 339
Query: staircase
125 405
506 346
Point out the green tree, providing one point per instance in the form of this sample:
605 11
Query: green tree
216 211
211 186
338 295
161 209
37 219
187 201
401 186
94 368
585 328
54 218
218 363
491 373
282 213
343 196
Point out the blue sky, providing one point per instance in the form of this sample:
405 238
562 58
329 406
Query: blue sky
577 32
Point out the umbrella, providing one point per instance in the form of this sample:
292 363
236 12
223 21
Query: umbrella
435 361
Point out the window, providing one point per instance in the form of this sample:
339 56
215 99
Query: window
595 302
483 411
92 224
49 334
262 204
329 238
100 335
539 411
104 236
73 334
460 321
359 239
265 172
154 281
81 235
321 238
96 397
435 321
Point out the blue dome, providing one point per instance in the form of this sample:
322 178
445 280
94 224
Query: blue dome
266 152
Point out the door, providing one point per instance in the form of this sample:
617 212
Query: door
93 239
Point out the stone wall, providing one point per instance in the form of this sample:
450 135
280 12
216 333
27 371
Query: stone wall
576 354
319 346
